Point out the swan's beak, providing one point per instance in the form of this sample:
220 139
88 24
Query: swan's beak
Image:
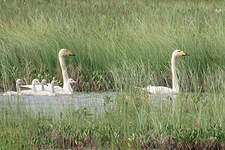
184 54
70 53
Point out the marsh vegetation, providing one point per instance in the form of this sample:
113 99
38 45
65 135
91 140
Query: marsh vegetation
130 121
118 44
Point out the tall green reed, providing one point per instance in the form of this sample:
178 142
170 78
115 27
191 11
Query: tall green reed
130 121
113 38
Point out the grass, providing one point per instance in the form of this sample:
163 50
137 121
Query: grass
118 44
110 38
193 121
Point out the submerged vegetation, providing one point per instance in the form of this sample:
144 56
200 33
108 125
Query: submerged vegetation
117 43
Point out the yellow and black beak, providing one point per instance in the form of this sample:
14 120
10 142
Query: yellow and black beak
70 53
184 54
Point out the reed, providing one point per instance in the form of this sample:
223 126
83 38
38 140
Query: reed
192 121
113 37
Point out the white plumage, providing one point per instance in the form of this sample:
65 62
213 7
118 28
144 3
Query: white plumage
19 83
175 86
67 82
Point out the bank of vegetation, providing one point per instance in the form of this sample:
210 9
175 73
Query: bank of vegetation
131 121
117 43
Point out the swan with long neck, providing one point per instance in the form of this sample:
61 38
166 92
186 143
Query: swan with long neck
175 85
19 83
66 85
62 54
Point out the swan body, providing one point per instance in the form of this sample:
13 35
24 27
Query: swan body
62 91
175 86
46 92
158 90
19 83
39 87
53 90
33 90
66 85
43 83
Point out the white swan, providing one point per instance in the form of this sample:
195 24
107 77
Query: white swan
47 93
62 53
33 90
43 83
175 86
54 89
66 82
19 83
59 91
39 87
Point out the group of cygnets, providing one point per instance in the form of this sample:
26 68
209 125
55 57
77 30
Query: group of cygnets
44 88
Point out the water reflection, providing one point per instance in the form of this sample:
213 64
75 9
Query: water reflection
93 102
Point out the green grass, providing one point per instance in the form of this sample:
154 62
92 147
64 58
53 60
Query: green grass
112 39
119 44
132 121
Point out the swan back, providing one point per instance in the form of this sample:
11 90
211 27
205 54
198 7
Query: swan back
159 90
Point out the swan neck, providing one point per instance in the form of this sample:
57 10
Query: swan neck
42 87
52 89
18 88
175 86
34 88
64 71
70 89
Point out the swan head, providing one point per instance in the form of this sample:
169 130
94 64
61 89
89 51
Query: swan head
178 53
35 82
44 82
65 52
19 83
71 81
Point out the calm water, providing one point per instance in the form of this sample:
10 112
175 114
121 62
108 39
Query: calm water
93 102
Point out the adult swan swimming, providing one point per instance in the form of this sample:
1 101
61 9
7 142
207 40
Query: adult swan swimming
66 85
175 85
67 89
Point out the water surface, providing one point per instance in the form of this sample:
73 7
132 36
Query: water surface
93 102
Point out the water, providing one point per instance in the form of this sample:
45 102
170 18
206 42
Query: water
93 102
